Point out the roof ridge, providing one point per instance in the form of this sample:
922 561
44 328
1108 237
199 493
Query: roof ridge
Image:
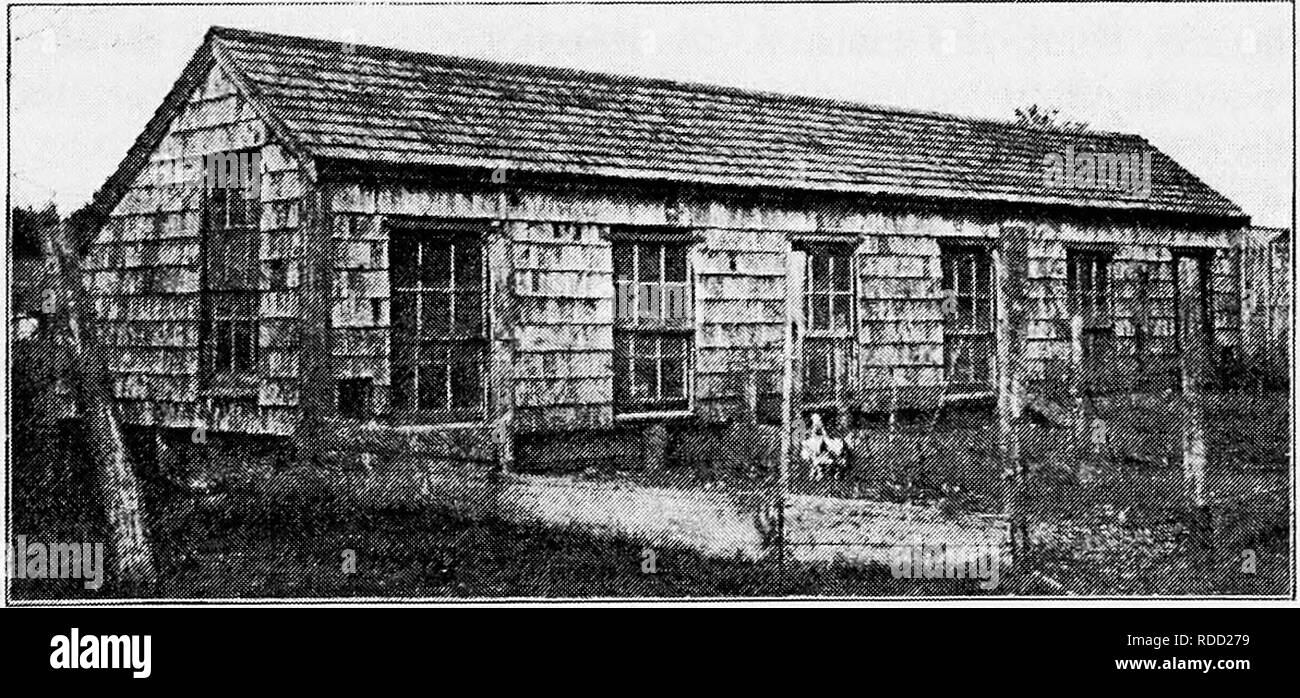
557 72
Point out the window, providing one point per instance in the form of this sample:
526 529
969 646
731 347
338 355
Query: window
828 312
653 326
968 318
440 341
1089 293
232 214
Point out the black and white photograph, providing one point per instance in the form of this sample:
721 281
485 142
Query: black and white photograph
698 304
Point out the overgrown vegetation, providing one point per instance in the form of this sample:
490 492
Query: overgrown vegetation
239 523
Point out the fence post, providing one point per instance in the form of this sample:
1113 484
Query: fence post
1084 426
791 326
1011 268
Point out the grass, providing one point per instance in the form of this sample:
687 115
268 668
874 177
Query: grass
258 533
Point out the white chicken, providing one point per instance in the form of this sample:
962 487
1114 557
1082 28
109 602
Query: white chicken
824 454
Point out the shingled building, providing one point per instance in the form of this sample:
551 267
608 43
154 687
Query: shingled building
527 256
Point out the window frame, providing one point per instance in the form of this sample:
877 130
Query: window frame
842 338
230 293
631 327
1096 307
422 233
962 333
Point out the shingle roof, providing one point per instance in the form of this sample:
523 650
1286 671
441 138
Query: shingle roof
338 101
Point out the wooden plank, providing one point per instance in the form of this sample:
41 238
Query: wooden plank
504 319
1010 268
792 327
313 358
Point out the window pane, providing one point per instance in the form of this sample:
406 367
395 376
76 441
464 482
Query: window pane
241 259
840 273
623 260
469 265
644 374
432 387
433 375
675 263
435 264
841 311
674 367
466 378
235 207
435 314
469 314
821 312
983 308
624 300
677 303
649 260
649 303
819 273
645 368
965 311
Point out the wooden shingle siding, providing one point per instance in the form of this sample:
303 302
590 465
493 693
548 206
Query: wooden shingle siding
360 322
143 273
1138 363
740 297
900 324
563 290
560 281
1047 341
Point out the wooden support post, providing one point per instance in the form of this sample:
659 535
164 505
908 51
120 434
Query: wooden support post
316 373
505 328
1083 425
791 327
132 553
1011 269
1191 360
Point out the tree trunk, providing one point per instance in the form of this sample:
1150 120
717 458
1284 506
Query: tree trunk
132 553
